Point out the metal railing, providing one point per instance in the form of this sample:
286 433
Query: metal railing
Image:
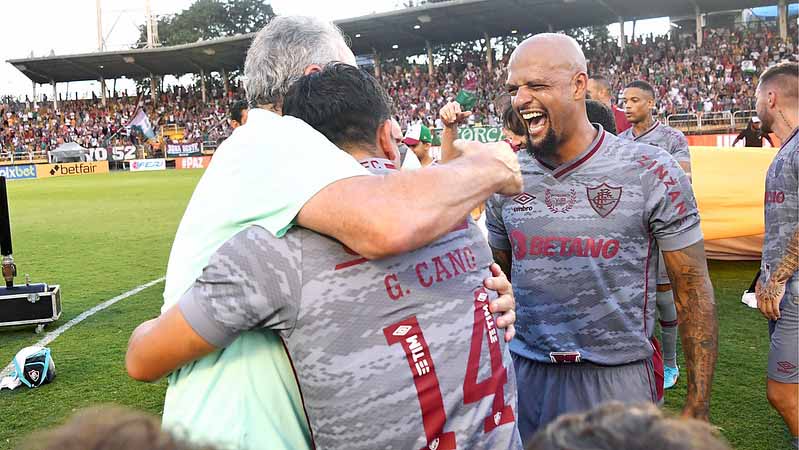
715 121
12 157
684 122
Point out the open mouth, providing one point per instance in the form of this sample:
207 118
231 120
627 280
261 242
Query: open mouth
536 121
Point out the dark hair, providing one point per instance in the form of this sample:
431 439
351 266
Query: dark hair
107 428
237 108
602 80
512 121
344 103
599 112
783 70
631 427
642 85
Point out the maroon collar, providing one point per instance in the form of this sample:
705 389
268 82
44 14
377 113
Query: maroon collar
569 166
635 138
790 137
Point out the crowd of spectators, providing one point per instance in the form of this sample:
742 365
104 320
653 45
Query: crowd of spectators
29 130
721 75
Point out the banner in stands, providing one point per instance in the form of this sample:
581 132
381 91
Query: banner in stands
69 169
731 212
193 162
20 172
481 134
117 153
722 140
177 150
141 165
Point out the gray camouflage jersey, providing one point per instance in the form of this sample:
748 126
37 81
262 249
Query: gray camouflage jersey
399 353
665 137
584 238
782 207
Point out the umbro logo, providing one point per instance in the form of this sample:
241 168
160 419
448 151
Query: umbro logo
402 330
523 198
786 367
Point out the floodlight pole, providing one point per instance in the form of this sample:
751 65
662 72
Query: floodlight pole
622 37
429 58
489 53
782 19
699 33
202 85
376 59
150 35
100 46
55 95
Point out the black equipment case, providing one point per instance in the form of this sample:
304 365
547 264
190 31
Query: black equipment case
29 304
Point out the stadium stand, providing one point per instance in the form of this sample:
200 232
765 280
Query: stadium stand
701 89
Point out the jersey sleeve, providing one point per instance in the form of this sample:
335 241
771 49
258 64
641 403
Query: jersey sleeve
252 282
671 208
495 223
679 148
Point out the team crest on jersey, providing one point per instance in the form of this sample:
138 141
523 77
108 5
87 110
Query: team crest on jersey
558 202
34 375
604 198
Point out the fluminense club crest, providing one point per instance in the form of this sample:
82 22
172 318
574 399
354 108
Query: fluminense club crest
604 198
559 202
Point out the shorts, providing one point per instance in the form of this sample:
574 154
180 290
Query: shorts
663 274
783 354
547 390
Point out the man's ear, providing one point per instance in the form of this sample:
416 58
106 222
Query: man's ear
580 85
386 143
772 99
313 68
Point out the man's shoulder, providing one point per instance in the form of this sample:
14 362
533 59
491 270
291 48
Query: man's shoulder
640 154
672 133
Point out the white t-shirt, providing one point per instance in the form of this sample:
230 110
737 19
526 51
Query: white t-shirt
245 396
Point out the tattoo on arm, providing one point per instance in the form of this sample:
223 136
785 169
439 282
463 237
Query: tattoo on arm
503 258
790 260
696 310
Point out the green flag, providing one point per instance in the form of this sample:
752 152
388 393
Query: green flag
467 99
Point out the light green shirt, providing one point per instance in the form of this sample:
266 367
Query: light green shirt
245 396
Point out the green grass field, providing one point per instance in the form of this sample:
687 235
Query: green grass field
102 235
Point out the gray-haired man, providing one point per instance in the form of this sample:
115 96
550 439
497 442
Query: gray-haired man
271 172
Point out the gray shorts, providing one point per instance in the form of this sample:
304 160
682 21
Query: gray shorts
548 390
663 274
783 354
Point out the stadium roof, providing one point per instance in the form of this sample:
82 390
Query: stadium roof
445 22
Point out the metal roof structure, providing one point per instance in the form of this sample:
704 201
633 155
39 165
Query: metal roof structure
403 30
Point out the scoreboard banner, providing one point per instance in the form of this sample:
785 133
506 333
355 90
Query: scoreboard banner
180 150
71 169
116 153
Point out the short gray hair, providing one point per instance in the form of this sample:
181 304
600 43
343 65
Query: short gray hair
282 50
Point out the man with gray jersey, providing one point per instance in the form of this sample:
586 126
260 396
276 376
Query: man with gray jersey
580 245
401 352
778 287
639 101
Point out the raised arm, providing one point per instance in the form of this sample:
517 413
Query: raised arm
412 208
696 310
452 116
770 295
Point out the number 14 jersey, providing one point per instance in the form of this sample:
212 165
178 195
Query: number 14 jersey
399 353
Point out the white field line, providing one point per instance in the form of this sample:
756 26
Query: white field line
50 336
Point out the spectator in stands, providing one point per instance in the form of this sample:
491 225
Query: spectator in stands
107 428
599 112
238 113
599 89
419 139
753 134
615 426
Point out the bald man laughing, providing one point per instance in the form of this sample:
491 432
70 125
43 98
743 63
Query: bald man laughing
581 247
